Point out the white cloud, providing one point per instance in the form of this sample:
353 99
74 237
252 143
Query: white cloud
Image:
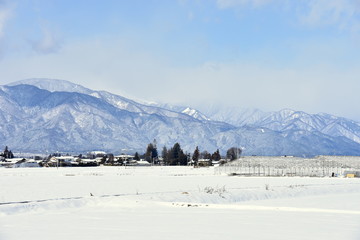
343 13
5 13
49 42
316 89
234 3
119 65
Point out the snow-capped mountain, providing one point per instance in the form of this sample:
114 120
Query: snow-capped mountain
235 115
39 120
287 119
53 85
54 115
195 114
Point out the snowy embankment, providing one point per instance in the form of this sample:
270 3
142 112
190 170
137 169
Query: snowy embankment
144 197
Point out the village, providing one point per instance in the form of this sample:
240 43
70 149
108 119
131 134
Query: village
93 159
96 158
266 166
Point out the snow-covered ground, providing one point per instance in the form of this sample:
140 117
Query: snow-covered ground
173 203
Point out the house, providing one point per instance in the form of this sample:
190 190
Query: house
352 174
201 163
142 163
124 159
95 154
85 162
65 161
12 162
27 163
204 162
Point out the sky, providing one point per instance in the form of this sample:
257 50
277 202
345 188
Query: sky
265 54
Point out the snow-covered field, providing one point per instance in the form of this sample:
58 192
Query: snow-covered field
173 203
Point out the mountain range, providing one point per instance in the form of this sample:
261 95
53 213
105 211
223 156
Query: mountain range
47 115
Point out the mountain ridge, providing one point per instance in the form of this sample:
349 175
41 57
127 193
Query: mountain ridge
33 118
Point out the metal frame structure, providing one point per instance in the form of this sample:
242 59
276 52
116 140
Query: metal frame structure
320 166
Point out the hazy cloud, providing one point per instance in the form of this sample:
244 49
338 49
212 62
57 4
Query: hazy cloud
5 12
234 3
48 42
343 13
119 68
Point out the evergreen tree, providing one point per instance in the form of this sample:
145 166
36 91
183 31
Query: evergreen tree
184 157
154 152
177 156
196 156
7 153
136 157
174 154
205 155
11 155
165 155
151 153
148 152
216 156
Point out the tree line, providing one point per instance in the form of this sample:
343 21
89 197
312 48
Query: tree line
7 153
176 155
169 156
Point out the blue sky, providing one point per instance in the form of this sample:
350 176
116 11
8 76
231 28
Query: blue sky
267 54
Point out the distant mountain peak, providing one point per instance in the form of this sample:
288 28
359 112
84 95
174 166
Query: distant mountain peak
53 85
196 114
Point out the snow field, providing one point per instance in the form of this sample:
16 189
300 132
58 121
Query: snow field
173 202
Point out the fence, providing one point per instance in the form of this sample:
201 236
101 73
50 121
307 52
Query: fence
290 166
